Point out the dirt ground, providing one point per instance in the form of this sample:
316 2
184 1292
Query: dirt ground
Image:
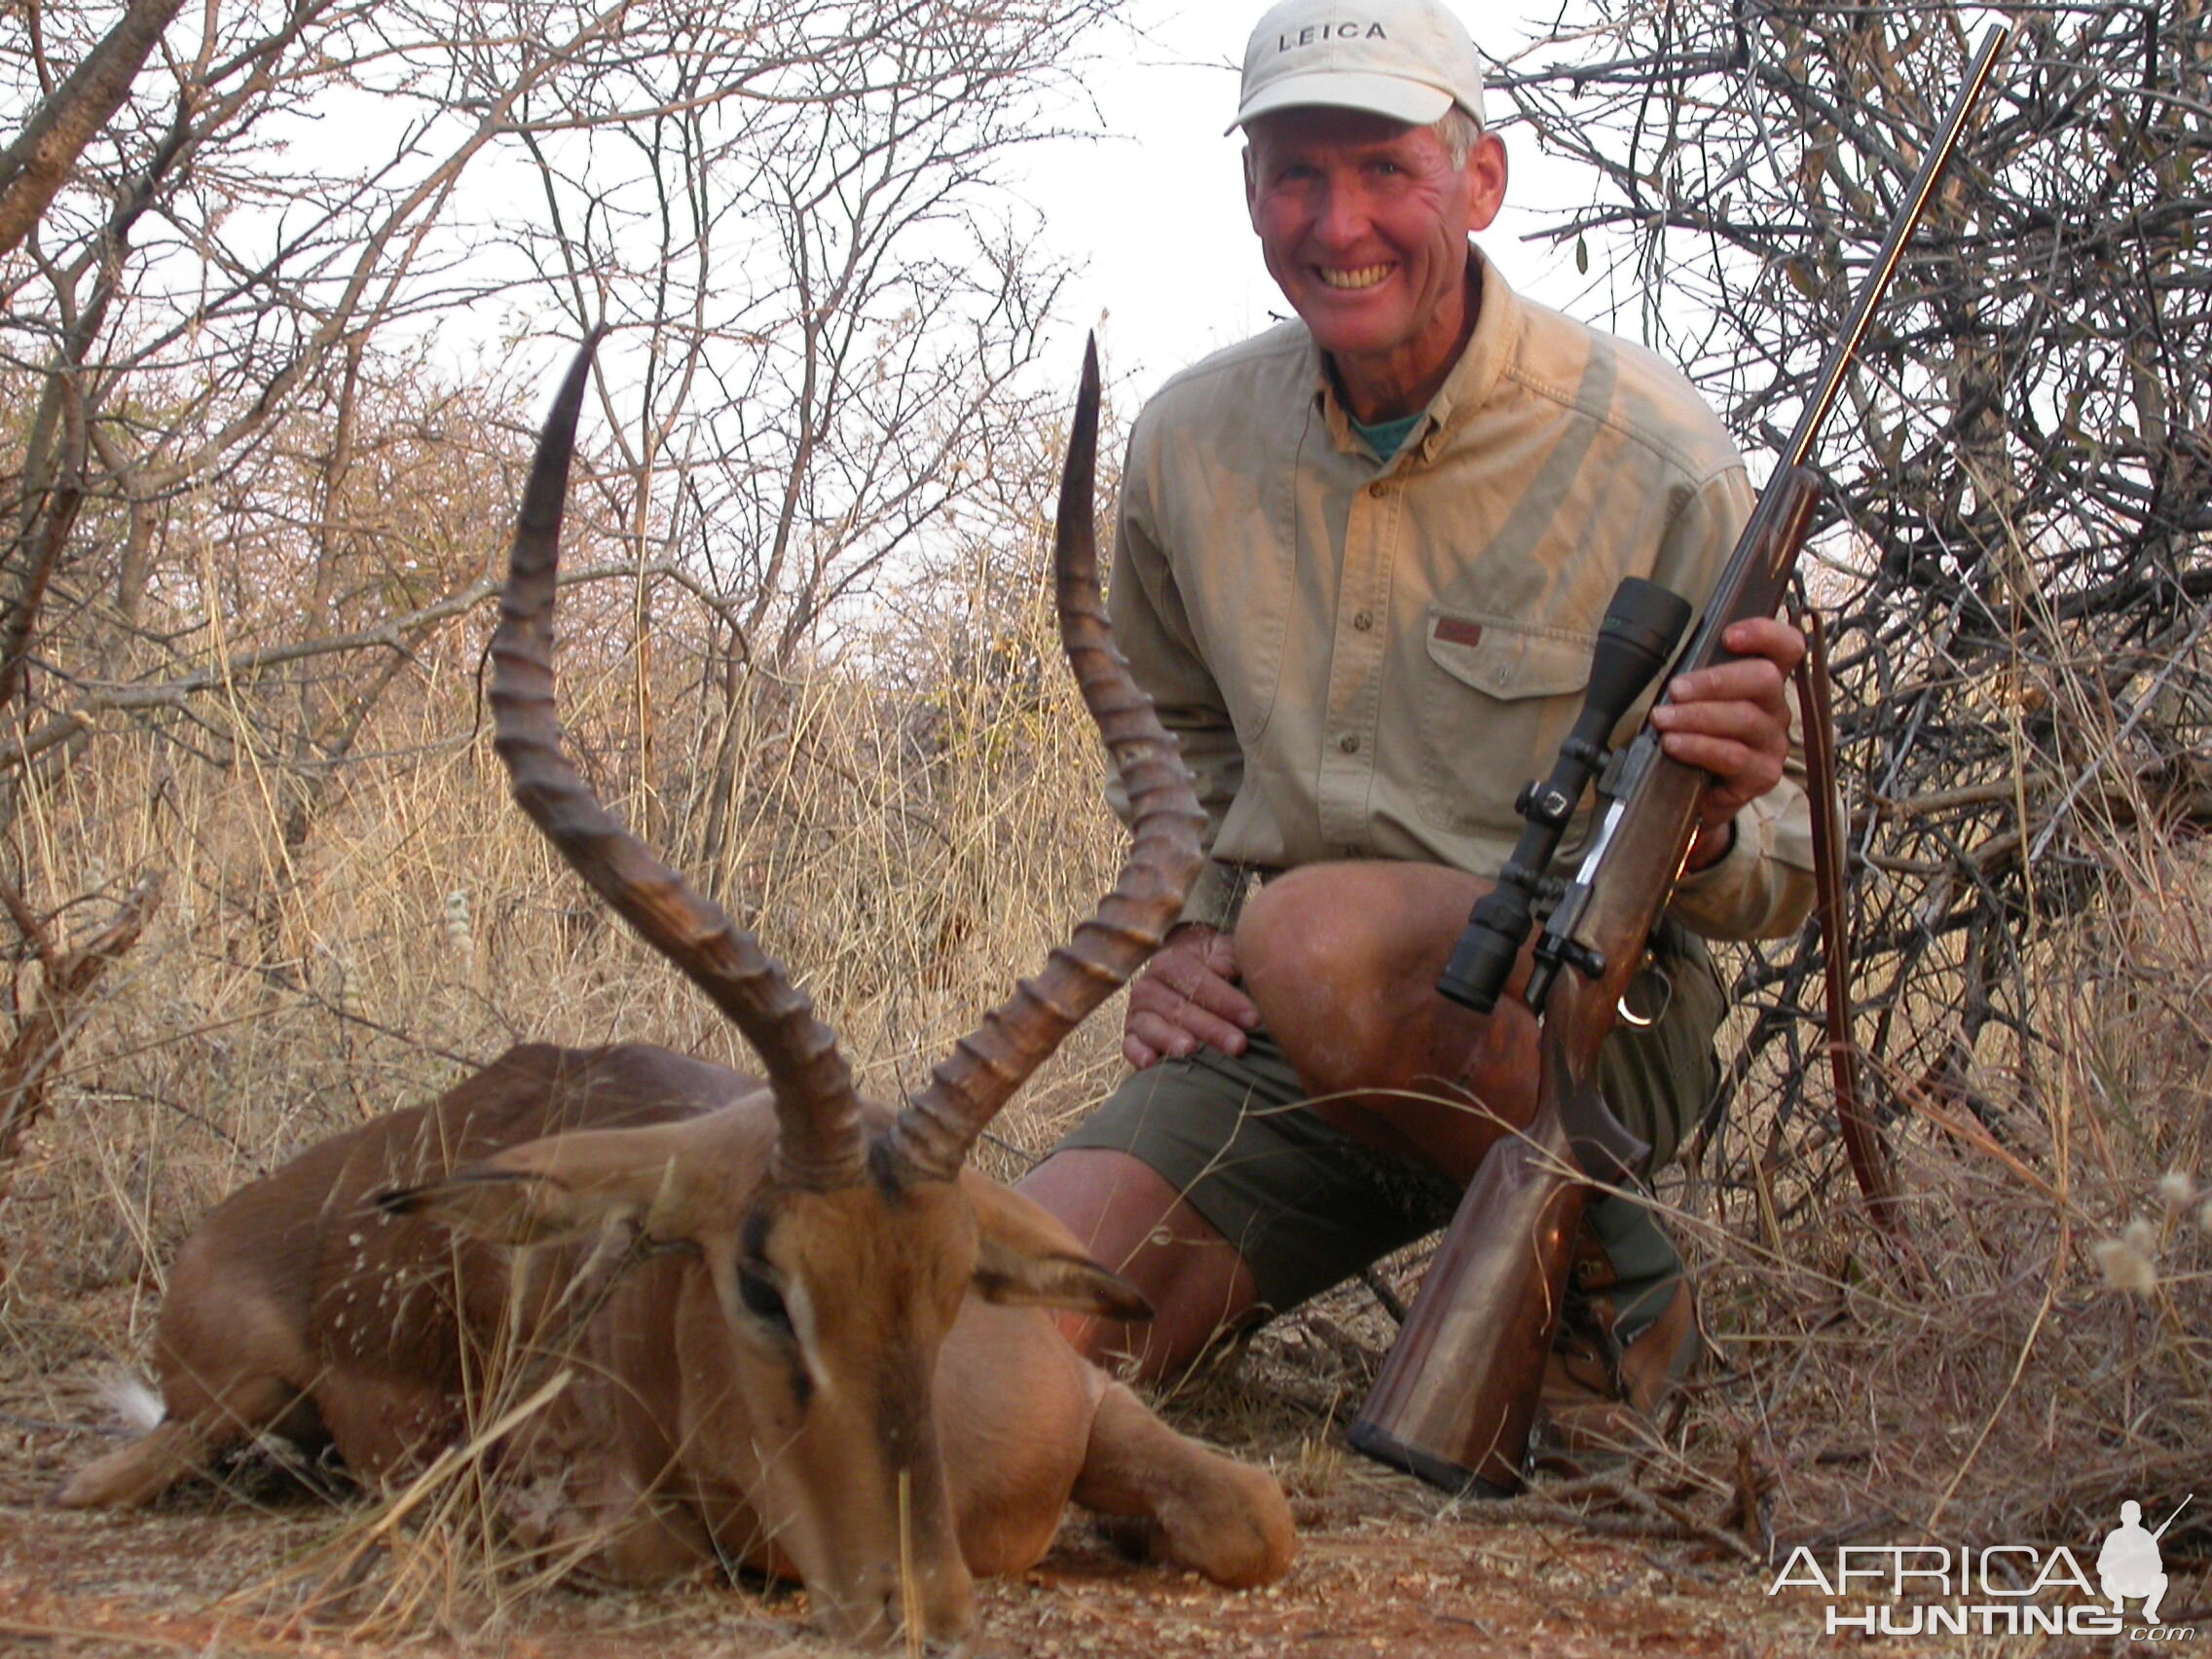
195 1578
1385 1566
1385 1575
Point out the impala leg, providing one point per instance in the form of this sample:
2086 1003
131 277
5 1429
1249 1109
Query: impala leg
139 1472
1226 1520
200 1422
385 1427
611 1533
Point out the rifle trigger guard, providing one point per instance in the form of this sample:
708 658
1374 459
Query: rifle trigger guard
1637 1018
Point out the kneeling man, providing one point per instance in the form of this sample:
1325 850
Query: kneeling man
1361 564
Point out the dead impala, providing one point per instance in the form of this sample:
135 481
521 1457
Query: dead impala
838 1368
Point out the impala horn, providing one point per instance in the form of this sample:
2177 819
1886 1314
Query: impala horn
818 1141
936 1128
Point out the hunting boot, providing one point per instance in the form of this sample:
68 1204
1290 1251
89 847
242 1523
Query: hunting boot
1628 1335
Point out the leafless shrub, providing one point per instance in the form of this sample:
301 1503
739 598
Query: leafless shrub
250 530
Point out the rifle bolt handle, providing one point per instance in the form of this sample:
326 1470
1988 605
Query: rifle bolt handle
1585 960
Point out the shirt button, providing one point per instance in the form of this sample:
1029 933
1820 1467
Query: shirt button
1362 621
1375 492
1348 743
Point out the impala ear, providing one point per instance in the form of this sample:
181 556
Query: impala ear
676 1180
1026 1258
498 1206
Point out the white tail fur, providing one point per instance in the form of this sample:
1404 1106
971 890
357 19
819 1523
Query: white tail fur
133 1399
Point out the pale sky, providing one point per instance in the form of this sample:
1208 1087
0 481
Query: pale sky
1155 213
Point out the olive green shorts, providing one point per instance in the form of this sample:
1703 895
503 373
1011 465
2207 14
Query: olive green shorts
1308 1206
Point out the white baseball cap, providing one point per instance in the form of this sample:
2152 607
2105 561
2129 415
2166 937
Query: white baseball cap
1408 60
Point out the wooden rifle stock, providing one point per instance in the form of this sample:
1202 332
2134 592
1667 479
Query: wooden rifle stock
1454 1404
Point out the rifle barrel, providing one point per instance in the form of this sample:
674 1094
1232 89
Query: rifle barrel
1870 292
1722 606
2175 1516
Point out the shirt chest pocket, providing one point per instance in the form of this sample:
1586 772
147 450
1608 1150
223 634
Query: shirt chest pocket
1492 699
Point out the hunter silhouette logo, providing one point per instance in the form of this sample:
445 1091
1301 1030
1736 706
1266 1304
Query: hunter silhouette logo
2130 1562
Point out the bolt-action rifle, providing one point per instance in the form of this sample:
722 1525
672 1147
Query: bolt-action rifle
1458 1392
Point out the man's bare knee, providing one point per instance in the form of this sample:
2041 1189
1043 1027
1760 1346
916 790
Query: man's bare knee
1134 1221
1342 960
1337 938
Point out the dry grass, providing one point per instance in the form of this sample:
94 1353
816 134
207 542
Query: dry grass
2046 1352
907 852
903 859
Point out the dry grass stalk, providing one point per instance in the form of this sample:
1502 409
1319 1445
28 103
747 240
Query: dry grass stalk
43 1034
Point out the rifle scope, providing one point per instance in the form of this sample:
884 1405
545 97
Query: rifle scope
1641 627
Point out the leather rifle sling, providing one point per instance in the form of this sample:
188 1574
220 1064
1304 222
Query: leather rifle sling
1863 1140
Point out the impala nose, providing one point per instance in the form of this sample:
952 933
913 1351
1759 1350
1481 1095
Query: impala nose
876 1612
946 1647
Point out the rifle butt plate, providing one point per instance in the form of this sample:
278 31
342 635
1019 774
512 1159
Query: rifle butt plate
1374 1441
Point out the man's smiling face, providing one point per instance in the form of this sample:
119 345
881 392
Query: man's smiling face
1363 222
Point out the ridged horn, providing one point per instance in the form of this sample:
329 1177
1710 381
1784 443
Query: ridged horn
934 1132
818 1142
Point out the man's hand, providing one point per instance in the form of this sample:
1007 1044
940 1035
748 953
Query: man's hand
1733 720
1187 996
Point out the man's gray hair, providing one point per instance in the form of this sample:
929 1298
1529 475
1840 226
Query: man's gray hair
1456 131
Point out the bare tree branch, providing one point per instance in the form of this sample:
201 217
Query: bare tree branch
36 165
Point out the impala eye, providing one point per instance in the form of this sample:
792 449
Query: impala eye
761 1299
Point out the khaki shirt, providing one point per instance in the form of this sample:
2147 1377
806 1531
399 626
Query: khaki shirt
1369 659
